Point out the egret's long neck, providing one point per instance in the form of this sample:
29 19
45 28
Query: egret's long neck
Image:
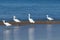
47 16
3 21
14 17
29 16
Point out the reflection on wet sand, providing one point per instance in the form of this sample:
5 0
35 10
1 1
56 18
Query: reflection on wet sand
6 34
16 33
49 32
31 33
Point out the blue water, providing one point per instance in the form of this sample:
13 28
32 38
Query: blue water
38 11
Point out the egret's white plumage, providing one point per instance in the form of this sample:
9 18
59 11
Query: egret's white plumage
16 20
49 18
30 19
6 23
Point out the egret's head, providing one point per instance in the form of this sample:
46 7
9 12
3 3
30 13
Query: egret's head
3 21
47 15
14 16
28 14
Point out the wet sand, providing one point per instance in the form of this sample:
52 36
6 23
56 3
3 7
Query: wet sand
37 22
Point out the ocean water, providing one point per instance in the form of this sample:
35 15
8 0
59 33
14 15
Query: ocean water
38 11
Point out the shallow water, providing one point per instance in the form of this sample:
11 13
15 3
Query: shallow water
31 32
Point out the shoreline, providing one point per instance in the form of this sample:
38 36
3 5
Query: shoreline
37 22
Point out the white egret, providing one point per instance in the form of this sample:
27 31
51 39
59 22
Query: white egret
49 18
30 19
6 23
16 20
